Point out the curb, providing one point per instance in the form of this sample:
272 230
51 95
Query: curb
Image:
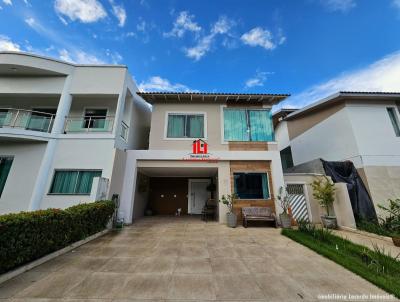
372 235
11 274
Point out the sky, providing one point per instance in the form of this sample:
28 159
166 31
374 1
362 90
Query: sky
307 48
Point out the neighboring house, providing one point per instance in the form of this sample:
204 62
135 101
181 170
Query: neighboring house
60 127
362 127
198 139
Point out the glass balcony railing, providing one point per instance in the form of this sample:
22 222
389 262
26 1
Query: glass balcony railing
26 119
89 124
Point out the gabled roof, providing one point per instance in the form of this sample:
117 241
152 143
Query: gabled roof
211 97
344 95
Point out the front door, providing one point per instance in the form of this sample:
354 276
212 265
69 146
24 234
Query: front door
198 195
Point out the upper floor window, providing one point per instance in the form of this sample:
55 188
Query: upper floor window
393 118
95 118
5 166
185 125
78 182
248 125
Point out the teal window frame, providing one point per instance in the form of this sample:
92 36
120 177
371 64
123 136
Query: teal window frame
186 127
247 177
247 132
75 185
5 168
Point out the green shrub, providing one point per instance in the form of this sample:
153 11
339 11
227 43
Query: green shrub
26 236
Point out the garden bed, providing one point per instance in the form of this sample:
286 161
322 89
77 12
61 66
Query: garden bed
376 266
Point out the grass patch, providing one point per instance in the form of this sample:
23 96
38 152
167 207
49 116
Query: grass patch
376 266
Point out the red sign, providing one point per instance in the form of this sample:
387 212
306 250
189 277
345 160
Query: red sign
200 147
200 152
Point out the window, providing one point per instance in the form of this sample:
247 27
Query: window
286 158
248 125
73 182
251 185
185 125
95 118
395 121
5 166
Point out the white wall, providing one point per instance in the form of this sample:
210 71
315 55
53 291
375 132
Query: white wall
332 139
22 177
377 143
282 135
96 154
31 85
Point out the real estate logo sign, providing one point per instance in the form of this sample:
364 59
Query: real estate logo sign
200 152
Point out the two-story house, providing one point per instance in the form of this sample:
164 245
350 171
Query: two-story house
362 127
202 146
60 127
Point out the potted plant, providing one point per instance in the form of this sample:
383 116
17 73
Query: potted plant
229 201
324 193
391 222
285 218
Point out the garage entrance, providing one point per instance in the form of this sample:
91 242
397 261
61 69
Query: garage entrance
187 190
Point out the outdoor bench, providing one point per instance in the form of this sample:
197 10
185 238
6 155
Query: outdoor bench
258 214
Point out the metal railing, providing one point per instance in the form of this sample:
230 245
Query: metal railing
124 131
26 119
89 124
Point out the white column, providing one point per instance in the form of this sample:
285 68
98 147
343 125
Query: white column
45 167
224 188
119 111
63 108
128 191
277 179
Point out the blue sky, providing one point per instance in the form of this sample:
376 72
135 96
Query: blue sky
309 48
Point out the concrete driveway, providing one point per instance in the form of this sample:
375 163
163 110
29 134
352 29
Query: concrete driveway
186 259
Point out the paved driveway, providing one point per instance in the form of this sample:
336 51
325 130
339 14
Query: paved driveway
186 259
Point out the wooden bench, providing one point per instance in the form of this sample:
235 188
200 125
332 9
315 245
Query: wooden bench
258 214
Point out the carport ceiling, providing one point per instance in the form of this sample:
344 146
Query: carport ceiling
178 172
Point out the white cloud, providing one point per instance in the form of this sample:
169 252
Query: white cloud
114 56
221 27
183 23
381 76
258 80
119 12
396 4
79 57
7 2
86 11
30 21
202 47
141 26
339 5
7 45
158 83
260 37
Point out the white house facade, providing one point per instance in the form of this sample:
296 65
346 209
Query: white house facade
203 146
360 127
61 126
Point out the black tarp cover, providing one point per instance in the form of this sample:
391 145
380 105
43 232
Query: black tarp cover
344 171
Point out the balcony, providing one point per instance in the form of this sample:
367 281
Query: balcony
26 119
96 124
